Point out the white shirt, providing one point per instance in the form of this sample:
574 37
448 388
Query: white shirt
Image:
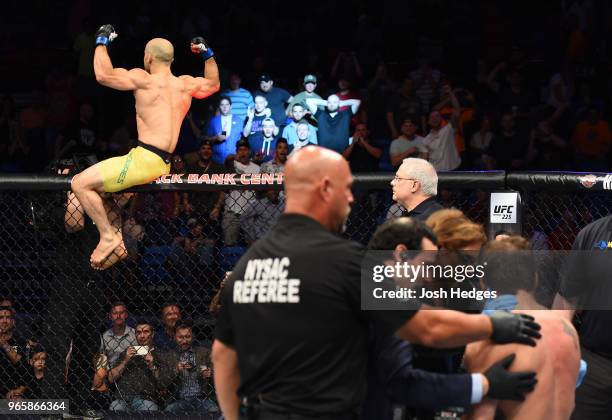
226 124
400 145
480 142
443 154
553 101
238 200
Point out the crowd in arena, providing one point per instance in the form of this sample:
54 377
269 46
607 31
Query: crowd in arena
150 365
514 104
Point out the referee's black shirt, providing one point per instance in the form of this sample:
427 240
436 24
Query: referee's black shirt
308 353
587 278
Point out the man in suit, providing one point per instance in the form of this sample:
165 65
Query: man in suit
224 130
186 373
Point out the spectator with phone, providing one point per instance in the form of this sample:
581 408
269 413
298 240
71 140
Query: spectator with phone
224 130
136 376
187 373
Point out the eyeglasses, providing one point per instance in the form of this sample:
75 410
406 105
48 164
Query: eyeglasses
397 178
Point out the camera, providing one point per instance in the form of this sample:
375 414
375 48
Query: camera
141 350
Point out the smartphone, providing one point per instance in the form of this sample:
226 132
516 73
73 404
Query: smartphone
141 350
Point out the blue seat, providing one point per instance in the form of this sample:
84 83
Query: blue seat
153 263
229 256
384 164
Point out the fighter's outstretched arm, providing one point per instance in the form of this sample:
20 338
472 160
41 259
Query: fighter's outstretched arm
106 75
202 87
116 78
447 329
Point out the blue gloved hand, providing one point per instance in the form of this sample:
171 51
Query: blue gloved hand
199 46
105 35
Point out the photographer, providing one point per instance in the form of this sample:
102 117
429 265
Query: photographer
187 372
136 375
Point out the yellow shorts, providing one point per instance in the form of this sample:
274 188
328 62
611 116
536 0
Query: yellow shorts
139 166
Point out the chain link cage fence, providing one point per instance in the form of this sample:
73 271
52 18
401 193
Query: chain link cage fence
113 340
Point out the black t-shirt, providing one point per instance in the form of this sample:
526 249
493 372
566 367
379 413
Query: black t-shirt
204 201
587 278
510 100
361 161
334 131
504 149
12 374
307 355
35 385
405 106
85 137
379 103
277 99
260 145
256 124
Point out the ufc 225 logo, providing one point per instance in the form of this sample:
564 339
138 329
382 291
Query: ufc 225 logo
504 211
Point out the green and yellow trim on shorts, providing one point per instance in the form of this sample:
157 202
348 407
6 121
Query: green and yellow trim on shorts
141 165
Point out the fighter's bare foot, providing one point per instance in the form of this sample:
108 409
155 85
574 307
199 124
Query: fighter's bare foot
104 249
117 255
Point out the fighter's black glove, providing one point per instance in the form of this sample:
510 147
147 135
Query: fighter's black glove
199 46
514 328
105 35
504 385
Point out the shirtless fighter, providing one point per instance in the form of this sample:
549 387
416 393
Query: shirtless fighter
556 358
162 100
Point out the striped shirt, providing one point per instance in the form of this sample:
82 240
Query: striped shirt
190 387
241 101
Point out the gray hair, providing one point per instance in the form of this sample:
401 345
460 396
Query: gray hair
424 172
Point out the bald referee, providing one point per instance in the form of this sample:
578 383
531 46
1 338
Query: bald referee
291 340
